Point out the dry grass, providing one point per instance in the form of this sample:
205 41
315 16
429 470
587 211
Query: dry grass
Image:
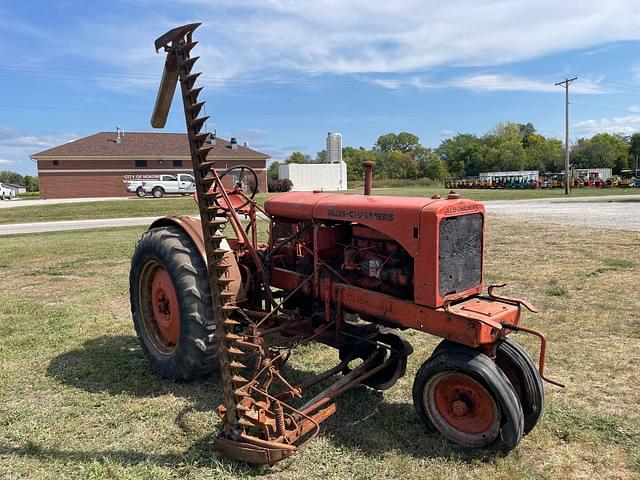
77 399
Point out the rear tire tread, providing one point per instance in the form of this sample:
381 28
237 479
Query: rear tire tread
176 252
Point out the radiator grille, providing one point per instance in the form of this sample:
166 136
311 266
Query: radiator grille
460 255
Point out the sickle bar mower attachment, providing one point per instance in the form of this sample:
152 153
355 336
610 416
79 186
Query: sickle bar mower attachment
258 426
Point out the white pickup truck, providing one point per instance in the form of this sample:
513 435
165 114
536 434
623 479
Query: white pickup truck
6 193
182 183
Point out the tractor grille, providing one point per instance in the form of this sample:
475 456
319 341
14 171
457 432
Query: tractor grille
460 256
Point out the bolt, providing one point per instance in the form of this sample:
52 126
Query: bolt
459 408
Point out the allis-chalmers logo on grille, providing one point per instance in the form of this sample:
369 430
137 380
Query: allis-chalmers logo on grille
356 215
464 208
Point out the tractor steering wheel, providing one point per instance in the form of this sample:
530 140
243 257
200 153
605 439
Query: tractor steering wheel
245 181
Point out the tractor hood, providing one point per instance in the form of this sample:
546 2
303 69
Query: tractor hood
397 217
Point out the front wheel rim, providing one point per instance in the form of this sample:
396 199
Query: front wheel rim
462 409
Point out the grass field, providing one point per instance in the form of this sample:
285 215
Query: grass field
77 399
146 207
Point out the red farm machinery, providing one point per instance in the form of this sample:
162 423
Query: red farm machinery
346 271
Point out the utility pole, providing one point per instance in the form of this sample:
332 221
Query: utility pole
565 83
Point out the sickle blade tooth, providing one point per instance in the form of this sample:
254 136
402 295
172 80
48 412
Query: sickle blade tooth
188 64
188 47
197 123
193 93
196 107
190 79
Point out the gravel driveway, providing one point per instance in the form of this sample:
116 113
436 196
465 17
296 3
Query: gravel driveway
617 212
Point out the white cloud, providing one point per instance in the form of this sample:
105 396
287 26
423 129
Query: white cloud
245 41
361 36
16 146
491 82
398 83
494 83
626 125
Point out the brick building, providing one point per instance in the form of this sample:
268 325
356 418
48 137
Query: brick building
100 165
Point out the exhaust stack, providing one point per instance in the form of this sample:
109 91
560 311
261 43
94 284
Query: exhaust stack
368 176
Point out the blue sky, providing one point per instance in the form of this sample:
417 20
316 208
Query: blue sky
280 74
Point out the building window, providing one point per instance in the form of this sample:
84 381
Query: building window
177 163
141 163
56 163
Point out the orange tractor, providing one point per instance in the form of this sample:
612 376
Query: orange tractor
345 271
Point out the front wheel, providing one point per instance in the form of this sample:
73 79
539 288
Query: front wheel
463 395
171 305
522 373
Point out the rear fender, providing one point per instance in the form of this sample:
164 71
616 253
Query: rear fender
192 227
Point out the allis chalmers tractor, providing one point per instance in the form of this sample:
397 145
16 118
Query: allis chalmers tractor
346 271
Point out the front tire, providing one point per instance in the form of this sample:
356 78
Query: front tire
463 395
514 361
522 373
171 305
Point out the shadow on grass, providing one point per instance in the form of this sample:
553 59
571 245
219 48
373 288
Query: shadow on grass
116 365
364 420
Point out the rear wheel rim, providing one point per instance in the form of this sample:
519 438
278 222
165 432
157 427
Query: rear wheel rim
160 308
462 409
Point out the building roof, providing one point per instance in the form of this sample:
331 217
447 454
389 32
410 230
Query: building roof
144 145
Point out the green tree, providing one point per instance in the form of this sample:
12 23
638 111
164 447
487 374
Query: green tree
544 154
321 156
404 142
436 168
354 157
298 157
7 176
634 150
273 170
601 150
459 151
506 150
527 131
31 183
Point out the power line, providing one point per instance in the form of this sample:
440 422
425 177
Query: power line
565 83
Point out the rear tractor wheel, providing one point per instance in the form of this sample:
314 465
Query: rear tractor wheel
463 395
171 305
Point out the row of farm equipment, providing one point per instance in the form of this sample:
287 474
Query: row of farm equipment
625 180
